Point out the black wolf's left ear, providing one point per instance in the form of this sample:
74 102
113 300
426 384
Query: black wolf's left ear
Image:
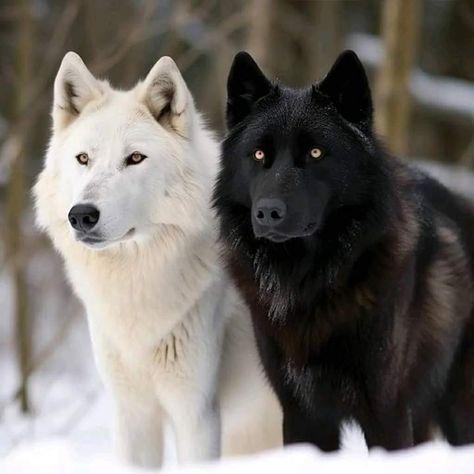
347 86
245 85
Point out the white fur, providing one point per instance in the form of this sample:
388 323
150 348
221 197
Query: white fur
172 340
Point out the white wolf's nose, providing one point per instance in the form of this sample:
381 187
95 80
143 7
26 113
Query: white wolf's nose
83 217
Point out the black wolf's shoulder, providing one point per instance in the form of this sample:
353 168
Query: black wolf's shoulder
447 204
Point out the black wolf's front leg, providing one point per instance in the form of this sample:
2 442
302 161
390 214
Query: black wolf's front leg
304 427
391 429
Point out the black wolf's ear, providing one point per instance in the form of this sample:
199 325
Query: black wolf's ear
74 88
347 86
245 85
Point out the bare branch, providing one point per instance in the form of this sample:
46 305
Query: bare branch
42 357
218 35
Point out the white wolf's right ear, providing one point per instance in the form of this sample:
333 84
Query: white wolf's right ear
74 88
167 97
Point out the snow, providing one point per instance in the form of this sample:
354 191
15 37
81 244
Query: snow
62 457
57 455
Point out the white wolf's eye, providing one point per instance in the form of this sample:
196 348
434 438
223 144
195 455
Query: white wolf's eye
316 153
259 155
135 158
82 159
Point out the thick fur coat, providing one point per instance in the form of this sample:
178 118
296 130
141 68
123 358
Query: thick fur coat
358 268
171 338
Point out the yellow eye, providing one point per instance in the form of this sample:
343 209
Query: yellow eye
316 153
82 158
135 158
259 155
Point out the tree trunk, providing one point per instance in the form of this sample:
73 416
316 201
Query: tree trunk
16 192
400 21
322 49
259 32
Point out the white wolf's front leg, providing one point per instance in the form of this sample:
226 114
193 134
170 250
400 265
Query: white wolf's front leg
189 399
138 420
197 429
187 389
139 433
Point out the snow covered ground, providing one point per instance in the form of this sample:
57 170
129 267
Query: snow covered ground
60 456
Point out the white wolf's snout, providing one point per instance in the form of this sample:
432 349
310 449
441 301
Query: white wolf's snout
97 229
84 220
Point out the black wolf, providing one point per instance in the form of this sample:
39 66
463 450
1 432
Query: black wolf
358 268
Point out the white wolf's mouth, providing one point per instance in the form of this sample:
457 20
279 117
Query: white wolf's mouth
97 242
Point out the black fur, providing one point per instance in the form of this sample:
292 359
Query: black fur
361 291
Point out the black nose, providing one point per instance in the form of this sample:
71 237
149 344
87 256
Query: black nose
83 217
270 212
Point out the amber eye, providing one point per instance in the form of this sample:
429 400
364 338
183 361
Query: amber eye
259 155
135 158
82 159
316 153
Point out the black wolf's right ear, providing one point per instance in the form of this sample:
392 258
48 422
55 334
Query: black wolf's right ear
346 84
245 85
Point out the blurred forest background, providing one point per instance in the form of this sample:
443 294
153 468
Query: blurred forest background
420 56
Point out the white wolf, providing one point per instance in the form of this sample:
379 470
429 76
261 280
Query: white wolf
125 197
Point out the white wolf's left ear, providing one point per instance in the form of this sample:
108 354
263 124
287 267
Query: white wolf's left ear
74 88
167 97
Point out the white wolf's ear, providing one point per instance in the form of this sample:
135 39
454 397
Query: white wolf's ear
74 88
167 97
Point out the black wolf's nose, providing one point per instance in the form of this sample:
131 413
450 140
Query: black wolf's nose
270 212
83 217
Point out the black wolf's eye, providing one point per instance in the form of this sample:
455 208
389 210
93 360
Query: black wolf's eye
135 158
82 159
316 153
259 155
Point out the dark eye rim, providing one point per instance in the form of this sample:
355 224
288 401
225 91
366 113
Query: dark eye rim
79 160
129 161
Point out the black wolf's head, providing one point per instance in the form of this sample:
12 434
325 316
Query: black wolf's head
294 157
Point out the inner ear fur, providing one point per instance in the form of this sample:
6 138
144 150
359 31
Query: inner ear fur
74 88
167 97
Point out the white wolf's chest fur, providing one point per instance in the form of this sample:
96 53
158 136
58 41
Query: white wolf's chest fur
144 307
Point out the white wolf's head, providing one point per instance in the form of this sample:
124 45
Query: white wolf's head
123 166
